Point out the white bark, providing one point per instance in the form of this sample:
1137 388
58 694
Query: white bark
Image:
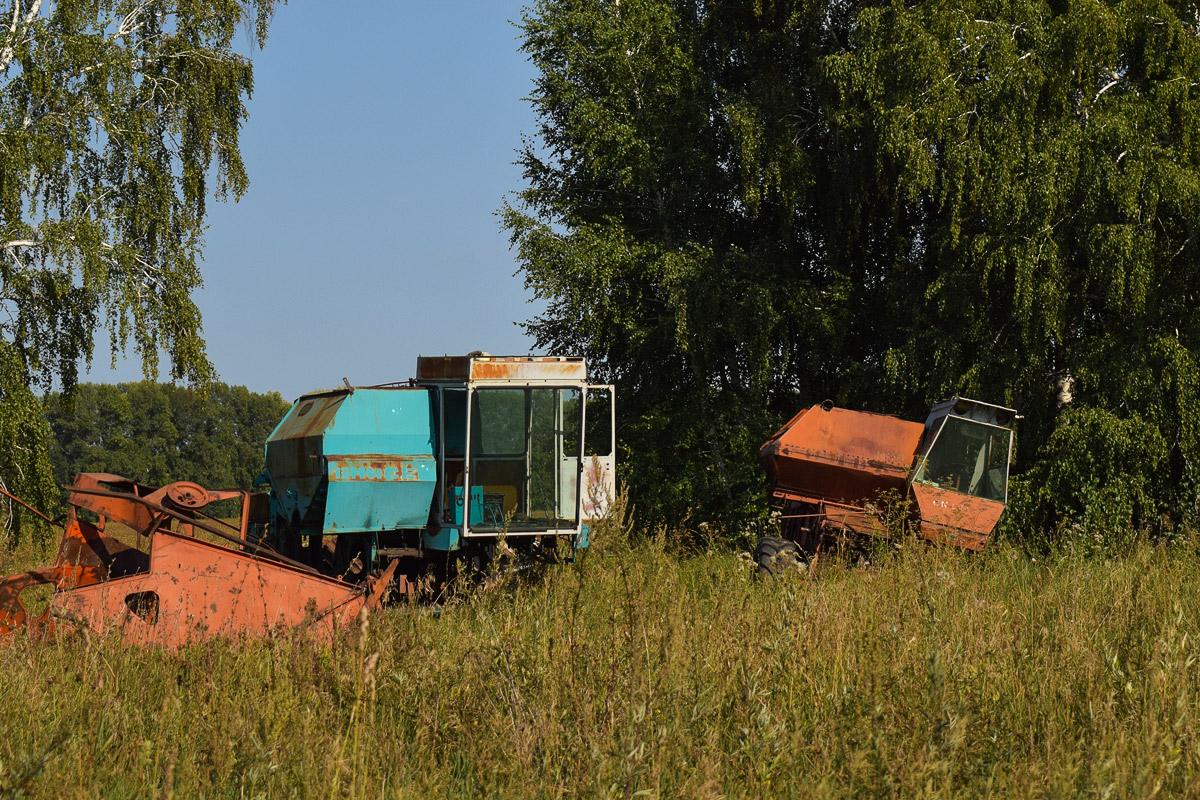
16 27
1116 79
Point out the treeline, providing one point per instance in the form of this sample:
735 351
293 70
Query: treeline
158 432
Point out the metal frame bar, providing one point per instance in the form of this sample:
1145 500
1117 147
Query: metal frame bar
255 548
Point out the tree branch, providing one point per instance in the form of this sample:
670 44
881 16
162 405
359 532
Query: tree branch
18 23
20 243
1116 79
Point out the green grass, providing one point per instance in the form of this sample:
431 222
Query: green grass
639 672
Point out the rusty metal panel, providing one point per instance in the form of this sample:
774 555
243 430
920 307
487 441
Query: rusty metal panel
194 590
852 519
962 519
532 368
85 557
310 416
501 368
135 515
443 368
949 535
842 455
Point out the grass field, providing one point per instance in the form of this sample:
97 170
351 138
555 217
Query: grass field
643 672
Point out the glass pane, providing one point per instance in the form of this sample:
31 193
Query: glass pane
525 458
454 422
571 419
968 457
598 440
498 422
543 455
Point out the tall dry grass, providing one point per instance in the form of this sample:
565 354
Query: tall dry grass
639 672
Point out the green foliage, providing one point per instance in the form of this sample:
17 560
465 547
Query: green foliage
1098 470
738 209
115 115
24 467
656 223
636 673
158 433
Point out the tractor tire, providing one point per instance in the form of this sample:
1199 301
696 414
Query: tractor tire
775 556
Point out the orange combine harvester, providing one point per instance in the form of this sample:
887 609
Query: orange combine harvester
832 470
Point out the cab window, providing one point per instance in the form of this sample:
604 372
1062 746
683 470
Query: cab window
969 457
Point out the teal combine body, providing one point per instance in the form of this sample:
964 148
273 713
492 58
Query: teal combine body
361 476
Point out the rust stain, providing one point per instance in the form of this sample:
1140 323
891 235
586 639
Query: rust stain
181 589
376 468
311 416
500 368
547 369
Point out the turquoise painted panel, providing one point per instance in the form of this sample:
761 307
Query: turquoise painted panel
476 504
355 461
379 461
379 495
444 540
293 458
382 422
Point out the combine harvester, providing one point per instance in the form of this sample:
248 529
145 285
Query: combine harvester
369 489
834 473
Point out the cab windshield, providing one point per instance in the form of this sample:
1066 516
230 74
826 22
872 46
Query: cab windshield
969 457
524 458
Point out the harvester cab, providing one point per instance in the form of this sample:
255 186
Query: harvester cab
966 447
959 479
833 471
473 450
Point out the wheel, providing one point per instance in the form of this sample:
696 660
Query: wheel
775 555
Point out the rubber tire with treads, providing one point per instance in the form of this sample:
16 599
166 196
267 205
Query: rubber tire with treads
774 553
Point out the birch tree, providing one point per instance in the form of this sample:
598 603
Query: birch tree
118 120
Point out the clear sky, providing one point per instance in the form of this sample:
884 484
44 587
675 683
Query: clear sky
379 146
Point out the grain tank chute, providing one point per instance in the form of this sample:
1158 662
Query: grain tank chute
474 449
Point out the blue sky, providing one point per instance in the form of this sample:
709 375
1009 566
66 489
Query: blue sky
379 145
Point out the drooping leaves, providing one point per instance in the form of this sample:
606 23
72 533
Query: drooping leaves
118 119
25 470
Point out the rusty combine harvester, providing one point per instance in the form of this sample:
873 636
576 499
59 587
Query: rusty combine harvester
833 471
179 588
368 489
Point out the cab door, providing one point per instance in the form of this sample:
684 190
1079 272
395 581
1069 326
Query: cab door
598 474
